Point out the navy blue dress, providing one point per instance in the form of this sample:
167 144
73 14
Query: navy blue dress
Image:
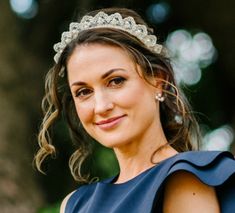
144 193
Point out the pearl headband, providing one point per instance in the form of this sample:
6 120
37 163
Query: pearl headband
103 20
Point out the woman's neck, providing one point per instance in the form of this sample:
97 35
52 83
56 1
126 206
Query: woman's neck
136 157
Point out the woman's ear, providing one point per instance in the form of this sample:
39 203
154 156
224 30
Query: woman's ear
160 80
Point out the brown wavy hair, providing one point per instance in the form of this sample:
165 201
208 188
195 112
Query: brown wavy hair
178 121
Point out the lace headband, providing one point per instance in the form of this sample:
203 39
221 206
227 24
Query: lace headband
103 20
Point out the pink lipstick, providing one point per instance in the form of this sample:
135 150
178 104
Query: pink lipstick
109 123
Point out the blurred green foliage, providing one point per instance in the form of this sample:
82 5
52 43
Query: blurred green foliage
50 209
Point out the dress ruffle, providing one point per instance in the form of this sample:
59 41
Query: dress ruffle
144 193
215 169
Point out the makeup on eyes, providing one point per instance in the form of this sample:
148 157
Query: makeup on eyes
104 76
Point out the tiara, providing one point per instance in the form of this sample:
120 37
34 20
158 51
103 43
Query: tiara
103 20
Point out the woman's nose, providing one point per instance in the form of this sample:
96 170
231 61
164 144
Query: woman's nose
103 103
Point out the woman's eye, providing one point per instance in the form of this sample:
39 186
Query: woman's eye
83 93
115 82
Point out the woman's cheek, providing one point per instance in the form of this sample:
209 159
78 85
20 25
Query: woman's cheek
129 97
84 113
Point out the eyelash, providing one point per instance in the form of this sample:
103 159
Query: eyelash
118 83
80 93
115 82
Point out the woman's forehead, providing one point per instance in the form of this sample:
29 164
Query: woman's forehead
97 59
98 54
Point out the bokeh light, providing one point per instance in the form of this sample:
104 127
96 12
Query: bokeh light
158 13
24 8
190 54
218 139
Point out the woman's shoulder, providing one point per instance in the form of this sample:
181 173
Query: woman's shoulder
64 202
183 192
199 176
82 191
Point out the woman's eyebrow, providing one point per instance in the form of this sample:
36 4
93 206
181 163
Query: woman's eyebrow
105 75
78 83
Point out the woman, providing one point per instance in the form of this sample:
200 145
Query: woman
114 82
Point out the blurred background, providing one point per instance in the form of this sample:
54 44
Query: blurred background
200 35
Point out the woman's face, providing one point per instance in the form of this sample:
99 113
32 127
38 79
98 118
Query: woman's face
114 104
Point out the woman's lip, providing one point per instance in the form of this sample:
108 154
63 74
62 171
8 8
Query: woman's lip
109 123
110 120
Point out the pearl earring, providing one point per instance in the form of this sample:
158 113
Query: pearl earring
159 97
